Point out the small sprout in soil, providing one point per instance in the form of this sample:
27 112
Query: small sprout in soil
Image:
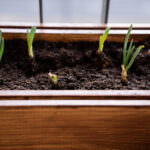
1 46
102 41
30 37
128 56
53 78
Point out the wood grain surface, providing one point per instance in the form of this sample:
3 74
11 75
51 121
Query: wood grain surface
74 128
70 35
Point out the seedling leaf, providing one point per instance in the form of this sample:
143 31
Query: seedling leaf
134 56
126 43
102 39
129 52
30 37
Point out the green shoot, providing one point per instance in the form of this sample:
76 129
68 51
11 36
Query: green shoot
128 55
30 37
126 43
53 78
102 41
1 46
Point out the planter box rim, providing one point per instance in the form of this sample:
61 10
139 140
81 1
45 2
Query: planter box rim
75 103
75 94
98 26
76 35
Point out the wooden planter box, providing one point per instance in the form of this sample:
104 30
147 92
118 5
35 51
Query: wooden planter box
75 119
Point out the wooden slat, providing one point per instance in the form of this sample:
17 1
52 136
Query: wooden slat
74 128
75 94
76 35
91 26
76 103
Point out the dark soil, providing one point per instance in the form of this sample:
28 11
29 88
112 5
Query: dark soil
76 65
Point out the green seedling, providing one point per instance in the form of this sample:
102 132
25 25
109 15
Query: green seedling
102 41
53 78
1 46
30 37
128 55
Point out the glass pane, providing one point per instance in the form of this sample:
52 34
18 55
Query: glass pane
72 11
19 11
129 11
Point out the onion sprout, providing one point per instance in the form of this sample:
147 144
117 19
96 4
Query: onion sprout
102 41
30 37
53 78
128 55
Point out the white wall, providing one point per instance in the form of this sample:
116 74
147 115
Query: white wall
19 11
72 11
75 11
129 11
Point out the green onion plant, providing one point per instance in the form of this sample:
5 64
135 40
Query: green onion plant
53 78
102 41
129 55
1 46
30 37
